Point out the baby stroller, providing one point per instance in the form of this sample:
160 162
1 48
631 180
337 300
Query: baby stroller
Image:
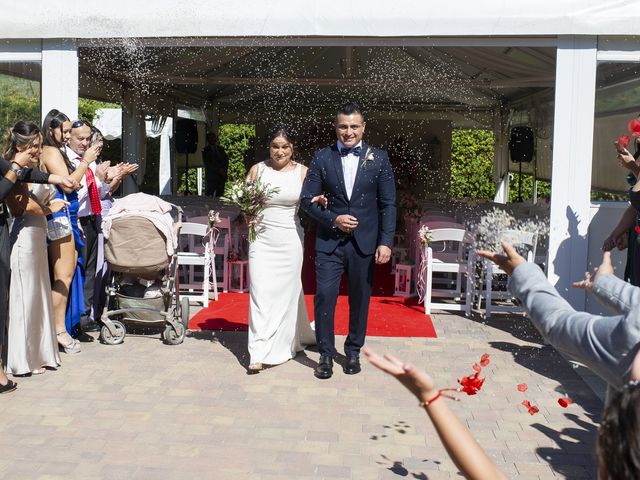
136 252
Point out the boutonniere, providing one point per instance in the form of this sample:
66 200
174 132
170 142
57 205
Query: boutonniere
368 157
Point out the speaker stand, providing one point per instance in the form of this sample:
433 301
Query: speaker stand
520 182
186 176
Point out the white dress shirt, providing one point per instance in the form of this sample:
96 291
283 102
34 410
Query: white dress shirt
349 168
84 205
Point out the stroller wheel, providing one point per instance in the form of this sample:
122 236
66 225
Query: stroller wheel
184 311
174 336
113 339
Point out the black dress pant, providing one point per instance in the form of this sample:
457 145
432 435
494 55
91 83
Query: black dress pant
346 258
5 275
91 225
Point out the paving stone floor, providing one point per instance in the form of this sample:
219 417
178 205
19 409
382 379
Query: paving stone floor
143 410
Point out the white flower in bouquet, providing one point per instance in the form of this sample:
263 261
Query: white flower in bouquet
251 198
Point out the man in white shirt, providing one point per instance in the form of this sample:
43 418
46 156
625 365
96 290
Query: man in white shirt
355 231
92 187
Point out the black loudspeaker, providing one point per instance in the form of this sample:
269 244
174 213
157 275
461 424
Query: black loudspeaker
521 144
186 136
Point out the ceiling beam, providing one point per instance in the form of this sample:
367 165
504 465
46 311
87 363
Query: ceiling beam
530 82
343 41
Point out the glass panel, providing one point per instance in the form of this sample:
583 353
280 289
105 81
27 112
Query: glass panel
19 93
617 102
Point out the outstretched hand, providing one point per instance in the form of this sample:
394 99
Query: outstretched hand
417 382
507 262
605 268
321 200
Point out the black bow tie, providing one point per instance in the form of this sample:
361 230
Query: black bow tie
344 151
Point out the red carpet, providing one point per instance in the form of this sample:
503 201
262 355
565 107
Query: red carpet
388 316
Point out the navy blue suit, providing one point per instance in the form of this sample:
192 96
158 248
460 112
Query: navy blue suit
372 203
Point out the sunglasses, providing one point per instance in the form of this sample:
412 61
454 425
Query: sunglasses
78 124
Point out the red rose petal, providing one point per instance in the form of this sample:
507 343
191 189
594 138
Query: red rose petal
471 384
623 140
522 387
564 402
484 359
476 367
532 409
637 229
634 127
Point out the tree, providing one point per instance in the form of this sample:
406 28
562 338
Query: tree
472 164
237 141
472 154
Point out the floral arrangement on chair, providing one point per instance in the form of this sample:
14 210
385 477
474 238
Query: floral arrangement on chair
251 197
425 238
214 218
424 235
492 224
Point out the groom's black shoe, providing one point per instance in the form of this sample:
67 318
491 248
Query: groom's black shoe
324 369
352 365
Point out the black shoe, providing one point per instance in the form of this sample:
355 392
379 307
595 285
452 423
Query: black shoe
352 365
324 369
88 325
8 387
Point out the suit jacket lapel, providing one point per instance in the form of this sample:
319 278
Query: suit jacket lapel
363 152
337 164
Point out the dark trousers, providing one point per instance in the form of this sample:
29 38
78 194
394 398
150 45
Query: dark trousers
90 225
5 276
348 259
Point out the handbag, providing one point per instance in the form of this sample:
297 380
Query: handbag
60 226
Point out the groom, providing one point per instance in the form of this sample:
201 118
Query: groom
354 231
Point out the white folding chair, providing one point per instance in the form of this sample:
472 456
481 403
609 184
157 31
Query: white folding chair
191 257
525 243
449 252
219 251
433 225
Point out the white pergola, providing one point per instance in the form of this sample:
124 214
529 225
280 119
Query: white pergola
563 42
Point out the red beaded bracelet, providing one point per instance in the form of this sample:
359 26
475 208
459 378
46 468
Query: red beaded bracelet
429 402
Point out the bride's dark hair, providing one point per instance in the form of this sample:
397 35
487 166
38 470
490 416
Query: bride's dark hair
281 131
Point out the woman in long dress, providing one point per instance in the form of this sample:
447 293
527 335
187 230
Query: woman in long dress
65 254
32 343
278 320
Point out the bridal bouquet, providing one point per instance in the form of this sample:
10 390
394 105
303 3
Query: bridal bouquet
251 197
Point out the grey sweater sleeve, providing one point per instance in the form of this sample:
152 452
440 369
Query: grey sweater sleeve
604 344
616 293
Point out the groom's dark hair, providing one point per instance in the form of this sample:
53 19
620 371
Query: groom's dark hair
350 108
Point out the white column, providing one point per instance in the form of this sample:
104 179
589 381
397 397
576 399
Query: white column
199 181
164 180
501 155
211 114
60 77
133 139
572 158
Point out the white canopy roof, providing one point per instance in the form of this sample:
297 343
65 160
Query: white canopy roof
281 18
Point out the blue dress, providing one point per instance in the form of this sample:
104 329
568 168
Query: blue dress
75 302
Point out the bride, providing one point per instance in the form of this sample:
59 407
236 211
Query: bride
278 321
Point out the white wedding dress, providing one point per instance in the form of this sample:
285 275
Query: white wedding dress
278 320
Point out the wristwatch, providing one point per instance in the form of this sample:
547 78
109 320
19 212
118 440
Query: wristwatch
16 168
